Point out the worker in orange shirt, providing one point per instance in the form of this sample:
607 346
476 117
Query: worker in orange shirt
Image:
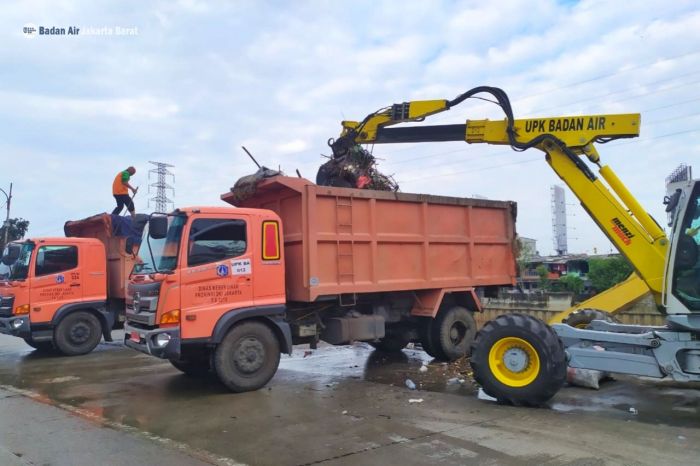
120 190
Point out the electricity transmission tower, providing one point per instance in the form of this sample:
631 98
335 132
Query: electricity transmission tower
161 186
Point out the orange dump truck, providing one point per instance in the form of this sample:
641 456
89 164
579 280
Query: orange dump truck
64 294
229 289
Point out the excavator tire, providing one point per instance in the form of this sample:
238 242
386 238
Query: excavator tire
583 317
519 360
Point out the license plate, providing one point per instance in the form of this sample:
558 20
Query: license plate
135 337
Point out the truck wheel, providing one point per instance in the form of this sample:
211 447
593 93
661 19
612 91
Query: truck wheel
519 360
43 346
583 317
426 341
247 357
196 368
453 333
78 333
391 343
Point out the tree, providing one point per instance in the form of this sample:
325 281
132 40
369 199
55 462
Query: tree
543 273
525 253
17 229
606 273
572 283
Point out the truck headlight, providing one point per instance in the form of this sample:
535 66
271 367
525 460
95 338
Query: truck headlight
162 339
17 323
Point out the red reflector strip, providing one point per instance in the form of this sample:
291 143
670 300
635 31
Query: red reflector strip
271 240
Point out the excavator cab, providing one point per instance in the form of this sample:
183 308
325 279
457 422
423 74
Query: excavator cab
683 269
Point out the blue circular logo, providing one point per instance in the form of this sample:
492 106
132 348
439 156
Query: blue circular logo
60 279
222 270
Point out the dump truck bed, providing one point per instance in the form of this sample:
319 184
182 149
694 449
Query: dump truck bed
347 241
119 262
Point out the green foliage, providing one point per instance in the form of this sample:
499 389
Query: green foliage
543 272
605 273
572 283
17 229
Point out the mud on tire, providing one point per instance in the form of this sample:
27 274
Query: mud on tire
538 365
583 317
247 357
78 333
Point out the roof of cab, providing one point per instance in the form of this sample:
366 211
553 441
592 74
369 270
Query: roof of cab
222 210
58 240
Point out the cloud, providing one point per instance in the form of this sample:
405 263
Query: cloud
202 79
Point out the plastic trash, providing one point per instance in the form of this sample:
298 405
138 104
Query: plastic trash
634 410
482 395
587 378
415 400
423 368
410 384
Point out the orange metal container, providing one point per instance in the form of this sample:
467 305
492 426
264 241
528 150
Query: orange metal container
119 263
341 240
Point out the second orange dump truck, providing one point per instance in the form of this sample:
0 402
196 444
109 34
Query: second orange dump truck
230 289
65 294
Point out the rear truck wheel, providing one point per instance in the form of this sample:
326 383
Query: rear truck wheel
199 367
452 333
391 343
43 346
426 341
247 357
78 333
519 360
583 317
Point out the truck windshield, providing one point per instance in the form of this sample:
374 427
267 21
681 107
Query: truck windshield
160 255
20 269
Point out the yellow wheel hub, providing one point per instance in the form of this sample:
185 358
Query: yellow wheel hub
514 362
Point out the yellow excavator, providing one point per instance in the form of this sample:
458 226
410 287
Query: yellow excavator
519 359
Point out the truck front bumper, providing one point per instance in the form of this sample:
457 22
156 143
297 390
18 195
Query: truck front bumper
17 326
162 343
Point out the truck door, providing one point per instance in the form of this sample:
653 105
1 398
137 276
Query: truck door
218 276
55 281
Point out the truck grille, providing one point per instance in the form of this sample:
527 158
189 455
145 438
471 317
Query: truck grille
6 303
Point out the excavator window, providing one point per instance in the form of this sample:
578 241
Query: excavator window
686 277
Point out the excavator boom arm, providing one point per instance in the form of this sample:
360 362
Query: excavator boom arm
565 140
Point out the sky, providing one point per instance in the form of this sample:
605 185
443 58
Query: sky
195 81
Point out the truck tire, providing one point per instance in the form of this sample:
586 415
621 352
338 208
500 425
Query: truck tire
519 360
43 346
78 333
583 317
452 333
391 343
196 368
425 327
247 357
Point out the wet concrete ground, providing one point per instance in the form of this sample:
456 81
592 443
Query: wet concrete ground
350 405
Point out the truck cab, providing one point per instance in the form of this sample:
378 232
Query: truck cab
210 292
53 294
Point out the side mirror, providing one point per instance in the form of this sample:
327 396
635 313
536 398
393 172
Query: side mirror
672 200
158 227
11 254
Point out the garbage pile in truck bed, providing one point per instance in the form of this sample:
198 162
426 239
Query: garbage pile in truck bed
353 168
